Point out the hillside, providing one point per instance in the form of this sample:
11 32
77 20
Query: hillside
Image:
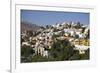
29 26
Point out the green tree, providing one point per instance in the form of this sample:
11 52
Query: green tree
26 52
61 50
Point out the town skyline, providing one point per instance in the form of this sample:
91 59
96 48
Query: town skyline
61 41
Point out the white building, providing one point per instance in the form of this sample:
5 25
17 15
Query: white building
81 48
45 53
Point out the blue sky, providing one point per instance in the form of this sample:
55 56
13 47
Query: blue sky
53 17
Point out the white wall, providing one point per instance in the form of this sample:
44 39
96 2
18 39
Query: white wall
5 37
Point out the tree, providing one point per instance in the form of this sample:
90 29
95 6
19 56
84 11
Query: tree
76 36
61 50
85 56
78 25
47 26
75 56
26 52
39 58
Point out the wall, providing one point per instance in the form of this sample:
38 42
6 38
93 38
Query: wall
5 37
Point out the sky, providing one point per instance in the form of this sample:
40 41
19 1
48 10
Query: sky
53 17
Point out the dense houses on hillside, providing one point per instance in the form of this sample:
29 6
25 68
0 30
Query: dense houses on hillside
41 42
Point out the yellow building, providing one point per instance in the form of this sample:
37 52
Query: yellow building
82 42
